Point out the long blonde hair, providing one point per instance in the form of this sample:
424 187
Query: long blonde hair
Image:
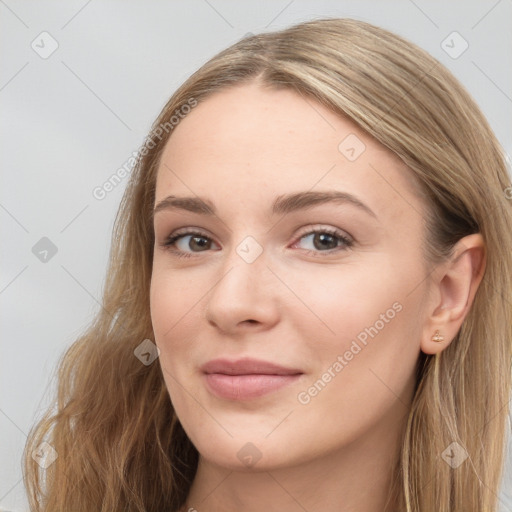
119 443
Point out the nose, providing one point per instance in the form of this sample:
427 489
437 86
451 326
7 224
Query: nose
245 296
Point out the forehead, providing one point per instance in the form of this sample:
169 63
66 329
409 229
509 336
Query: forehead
250 144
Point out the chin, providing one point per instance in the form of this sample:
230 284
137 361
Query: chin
241 454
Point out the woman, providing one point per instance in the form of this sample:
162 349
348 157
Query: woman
308 299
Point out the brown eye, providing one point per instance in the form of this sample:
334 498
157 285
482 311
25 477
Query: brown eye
324 240
198 242
188 243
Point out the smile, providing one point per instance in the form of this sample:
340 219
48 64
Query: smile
246 378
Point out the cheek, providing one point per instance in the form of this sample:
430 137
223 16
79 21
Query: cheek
364 342
371 290
172 315
340 304
177 300
173 298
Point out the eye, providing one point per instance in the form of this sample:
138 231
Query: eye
187 244
325 240
180 243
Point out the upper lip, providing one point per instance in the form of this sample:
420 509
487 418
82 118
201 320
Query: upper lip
246 366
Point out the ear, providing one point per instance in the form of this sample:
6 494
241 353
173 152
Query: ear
453 288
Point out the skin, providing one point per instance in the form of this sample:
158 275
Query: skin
299 304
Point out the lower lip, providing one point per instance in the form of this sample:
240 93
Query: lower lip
246 387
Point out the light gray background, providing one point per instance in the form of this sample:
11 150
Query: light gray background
71 120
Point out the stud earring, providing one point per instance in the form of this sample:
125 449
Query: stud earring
437 337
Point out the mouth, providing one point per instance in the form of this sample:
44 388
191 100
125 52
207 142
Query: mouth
247 378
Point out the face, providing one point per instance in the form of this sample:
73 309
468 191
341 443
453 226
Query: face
270 268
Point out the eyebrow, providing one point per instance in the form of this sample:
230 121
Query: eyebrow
282 205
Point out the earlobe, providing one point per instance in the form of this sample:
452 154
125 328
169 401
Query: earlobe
456 284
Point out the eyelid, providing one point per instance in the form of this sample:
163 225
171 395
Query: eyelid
323 228
189 231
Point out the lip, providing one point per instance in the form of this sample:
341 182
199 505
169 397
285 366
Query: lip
247 366
247 378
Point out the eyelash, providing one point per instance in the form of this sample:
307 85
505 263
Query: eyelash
171 240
